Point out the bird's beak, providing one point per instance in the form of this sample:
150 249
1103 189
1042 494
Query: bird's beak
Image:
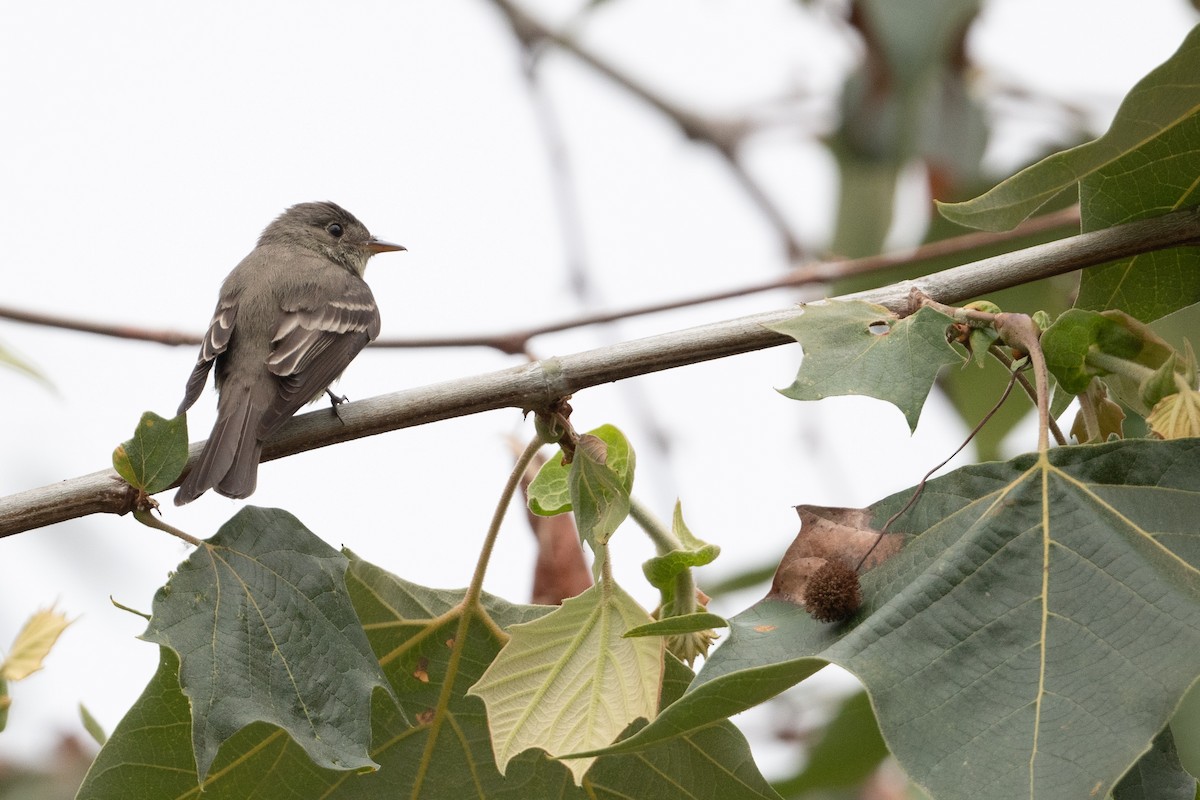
380 246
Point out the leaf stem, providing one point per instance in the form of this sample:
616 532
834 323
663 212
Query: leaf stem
146 517
665 540
1004 359
471 598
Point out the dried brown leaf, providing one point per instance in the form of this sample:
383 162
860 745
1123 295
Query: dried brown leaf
828 533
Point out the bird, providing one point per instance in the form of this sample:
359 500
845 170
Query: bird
290 318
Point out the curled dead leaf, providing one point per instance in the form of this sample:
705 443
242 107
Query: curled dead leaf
829 534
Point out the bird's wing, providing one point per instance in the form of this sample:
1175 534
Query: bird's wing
216 340
313 345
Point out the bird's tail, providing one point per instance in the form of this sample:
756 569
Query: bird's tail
229 462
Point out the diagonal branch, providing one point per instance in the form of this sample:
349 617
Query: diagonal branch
538 385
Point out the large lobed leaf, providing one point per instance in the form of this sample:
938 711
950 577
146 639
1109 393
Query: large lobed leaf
1143 166
264 630
862 348
569 681
435 745
1166 98
1032 638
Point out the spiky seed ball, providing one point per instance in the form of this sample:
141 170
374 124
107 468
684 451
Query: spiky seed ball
833 592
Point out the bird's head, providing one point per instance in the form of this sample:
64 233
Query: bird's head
331 231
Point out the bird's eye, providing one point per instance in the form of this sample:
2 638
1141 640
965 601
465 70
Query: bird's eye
335 230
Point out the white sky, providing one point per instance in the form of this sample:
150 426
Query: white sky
145 146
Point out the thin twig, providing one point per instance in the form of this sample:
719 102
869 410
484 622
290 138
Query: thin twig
516 342
724 136
1012 381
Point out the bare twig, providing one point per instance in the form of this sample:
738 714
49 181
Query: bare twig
540 384
724 136
517 342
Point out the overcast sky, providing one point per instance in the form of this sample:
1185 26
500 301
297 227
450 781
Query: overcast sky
147 144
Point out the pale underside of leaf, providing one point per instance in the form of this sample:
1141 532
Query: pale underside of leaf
569 682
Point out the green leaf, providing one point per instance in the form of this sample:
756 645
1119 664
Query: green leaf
862 348
599 480
1163 101
677 626
1157 775
92 725
1031 639
264 630
1153 179
416 634
570 681
1071 342
1138 364
550 493
662 570
156 455
5 702
849 751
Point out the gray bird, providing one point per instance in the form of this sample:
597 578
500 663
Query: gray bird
291 317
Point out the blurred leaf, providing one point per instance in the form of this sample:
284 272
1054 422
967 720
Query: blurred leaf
5 703
264 629
1162 101
848 752
1157 775
908 100
1031 639
33 644
866 196
10 359
570 681
1185 727
156 455
92 725
862 348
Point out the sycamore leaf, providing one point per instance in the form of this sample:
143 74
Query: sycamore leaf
678 626
156 455
863 348
1162 102
599 490
434 746
1030 640
569 681
661 570
265 632
33 644
550 492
